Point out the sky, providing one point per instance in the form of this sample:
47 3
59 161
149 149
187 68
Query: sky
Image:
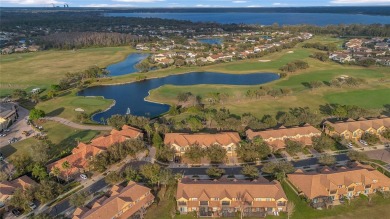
190 3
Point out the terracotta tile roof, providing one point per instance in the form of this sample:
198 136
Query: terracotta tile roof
276 137
8 188
352 125
80 154
119 199
225 188
203 139
319 184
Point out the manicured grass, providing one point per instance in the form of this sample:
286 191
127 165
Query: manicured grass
65 106
41 69
63 138
363 98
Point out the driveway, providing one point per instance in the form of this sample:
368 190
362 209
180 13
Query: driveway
18 128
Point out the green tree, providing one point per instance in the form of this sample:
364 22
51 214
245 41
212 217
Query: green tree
215 172
386 134
22 163
293 147
216 153
250 171
357 156
279 169
116 121
66 166
36 114
47 190
40 151
21 198
78 199
113 178
151 173
18 94
39 172
370 138
165 153
323 142
256 149
51 94
195 153
194 123
56 172
157 140
131 174
327 159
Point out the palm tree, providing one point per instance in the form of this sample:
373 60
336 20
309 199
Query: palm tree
66 166
56 172
148 130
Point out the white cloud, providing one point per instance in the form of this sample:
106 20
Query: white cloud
139 1
279 4
32 2
254 6
239 2
360 1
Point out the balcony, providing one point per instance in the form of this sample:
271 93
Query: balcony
204 203
281 204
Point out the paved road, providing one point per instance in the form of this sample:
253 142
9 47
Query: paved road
78 126
237 170
18 128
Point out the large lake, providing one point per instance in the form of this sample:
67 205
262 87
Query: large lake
266 18
127 66
133 95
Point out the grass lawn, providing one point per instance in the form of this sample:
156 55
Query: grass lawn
375 98
41 69
65 106
63 138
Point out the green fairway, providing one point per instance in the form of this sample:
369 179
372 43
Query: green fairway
363 98
65 106
63 138
41 69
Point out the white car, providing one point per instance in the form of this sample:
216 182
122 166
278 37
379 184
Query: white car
83 176
350 145
363 142
32 205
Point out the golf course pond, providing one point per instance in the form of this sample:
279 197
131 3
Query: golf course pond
130 98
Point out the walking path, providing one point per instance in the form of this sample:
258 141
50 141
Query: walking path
78 126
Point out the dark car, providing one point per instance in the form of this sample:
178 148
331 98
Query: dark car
16 212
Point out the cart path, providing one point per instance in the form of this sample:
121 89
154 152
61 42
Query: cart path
79 126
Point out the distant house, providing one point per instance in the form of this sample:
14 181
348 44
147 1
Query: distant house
276 137
329 186
225 198
8 188
354 129
182 141
121 202
83 153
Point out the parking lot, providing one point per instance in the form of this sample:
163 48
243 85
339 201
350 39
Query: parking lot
17 129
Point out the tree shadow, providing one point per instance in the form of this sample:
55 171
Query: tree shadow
386 110
56 112
306 84
8 150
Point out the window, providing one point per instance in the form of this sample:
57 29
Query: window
215 199
193 199
257 199
340 186
225 203
268 199
204 203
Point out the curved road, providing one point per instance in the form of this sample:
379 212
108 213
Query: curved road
78 126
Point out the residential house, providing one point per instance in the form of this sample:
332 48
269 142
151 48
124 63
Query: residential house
121 202
329 186
276 137
225 197
182 141
83 153
8 188
354 129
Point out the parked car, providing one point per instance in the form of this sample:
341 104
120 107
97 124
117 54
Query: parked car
1 156
83 176
350 145
16 212
32 205
363 142
3 134
7 130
